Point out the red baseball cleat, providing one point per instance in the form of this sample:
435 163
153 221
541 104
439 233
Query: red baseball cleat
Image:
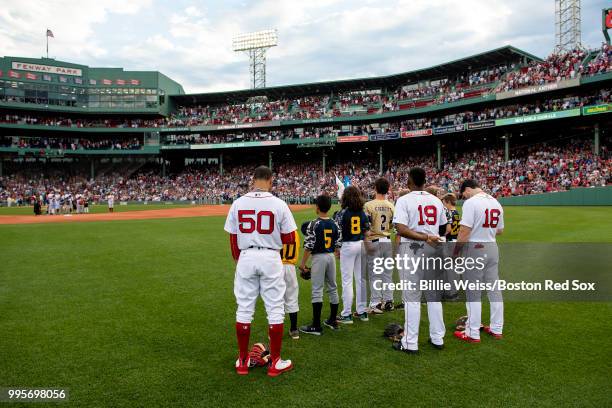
279 366
464 337
496 336
242 367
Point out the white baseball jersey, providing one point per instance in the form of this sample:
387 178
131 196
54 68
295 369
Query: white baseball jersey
259 218
421 212
484 215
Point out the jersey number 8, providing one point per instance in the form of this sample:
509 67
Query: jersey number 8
355 225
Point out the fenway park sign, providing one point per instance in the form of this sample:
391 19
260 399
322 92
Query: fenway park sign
24 66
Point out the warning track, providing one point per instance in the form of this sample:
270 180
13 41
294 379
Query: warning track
199 211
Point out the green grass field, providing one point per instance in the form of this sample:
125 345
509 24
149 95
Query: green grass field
98 208
141 313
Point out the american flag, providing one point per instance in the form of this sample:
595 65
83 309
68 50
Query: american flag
50 33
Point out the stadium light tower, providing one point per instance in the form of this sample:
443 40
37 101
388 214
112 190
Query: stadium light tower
567 25
256 44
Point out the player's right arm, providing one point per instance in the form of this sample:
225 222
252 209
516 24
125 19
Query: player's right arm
400 220
309 243
309 237
467 223
338 221
338 240
500 224
231 226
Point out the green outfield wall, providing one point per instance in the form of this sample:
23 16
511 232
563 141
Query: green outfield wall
599 196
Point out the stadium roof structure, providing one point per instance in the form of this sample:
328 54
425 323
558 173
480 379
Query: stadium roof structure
477 61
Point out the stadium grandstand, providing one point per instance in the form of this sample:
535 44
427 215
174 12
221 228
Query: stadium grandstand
519 123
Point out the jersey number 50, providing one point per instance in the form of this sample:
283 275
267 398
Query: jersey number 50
248 222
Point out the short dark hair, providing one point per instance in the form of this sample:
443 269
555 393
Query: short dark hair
262 173
352 199
323 203
381 185
417 175
471 183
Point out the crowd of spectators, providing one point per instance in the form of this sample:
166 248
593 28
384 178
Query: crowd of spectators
471 84
71 143
601 63
555 68
558 67
248 135
80 122
536 168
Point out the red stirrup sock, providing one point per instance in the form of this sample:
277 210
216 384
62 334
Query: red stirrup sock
243 332
275 332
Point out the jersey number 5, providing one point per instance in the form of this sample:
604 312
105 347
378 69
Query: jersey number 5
248 222
427 214
327 234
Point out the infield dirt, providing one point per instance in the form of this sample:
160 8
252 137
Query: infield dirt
199 211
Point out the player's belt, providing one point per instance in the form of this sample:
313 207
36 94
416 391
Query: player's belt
260 248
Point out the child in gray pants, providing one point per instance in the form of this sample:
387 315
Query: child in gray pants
322 238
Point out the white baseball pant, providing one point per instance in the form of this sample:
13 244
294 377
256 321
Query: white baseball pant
350 267
292 290
412 298
260 272
381 249
489 274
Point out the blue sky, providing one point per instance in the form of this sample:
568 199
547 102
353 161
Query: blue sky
319 40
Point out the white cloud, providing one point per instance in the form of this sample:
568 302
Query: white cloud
190 40
23 25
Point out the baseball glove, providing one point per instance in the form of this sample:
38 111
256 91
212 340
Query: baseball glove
259 355
305 273
393 332
460 323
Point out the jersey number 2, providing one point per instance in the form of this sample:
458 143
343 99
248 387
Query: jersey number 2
248 222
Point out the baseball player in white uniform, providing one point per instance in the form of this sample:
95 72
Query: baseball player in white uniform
259 224
482 220
111 203
418 216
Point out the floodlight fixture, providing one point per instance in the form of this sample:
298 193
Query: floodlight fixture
256 44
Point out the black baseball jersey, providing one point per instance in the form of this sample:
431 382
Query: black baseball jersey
456 219
353 224
322 236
